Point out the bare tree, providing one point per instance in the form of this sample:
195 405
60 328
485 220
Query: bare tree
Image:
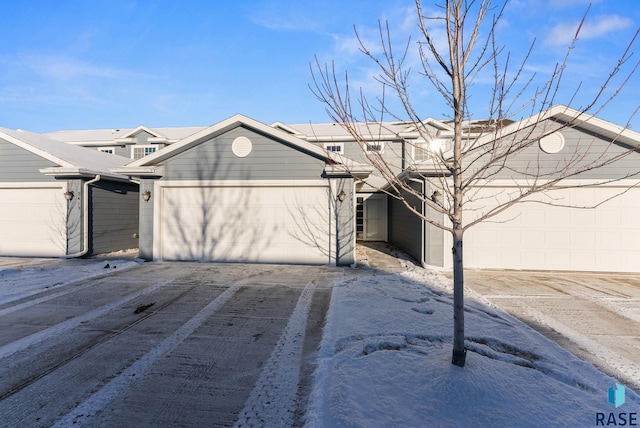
494 148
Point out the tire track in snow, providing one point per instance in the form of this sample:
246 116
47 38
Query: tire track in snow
272 401
86 410
63 327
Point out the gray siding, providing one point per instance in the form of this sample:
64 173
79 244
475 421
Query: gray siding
268 160
75 226
114 216
344 221
392 154
434 237
20 165
534 161
405 228
145 244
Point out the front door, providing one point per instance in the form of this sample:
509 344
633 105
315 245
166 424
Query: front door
371 217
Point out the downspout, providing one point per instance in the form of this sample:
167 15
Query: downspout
85 219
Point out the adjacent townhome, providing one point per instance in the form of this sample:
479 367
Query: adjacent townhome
59 200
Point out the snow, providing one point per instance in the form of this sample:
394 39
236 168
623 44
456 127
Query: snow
385 360
385 355
21 278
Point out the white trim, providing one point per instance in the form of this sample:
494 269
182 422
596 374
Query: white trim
564 184
243 183
34 150
32 185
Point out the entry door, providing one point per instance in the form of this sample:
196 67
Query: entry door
374 213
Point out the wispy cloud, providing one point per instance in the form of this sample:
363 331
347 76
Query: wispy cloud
563 33
67 68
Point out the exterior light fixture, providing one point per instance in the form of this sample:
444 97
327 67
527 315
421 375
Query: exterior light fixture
436 197
342 196
68 195
146 195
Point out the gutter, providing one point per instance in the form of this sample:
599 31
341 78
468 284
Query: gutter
85 219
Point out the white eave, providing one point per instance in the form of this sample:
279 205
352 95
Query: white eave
75 172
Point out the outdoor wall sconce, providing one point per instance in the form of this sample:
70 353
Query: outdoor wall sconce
146 195
342 196
436 197
68 195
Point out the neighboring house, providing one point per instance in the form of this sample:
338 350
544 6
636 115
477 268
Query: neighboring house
550 234
59 200
130 143
243 191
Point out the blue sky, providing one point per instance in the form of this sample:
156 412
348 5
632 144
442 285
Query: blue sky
77 64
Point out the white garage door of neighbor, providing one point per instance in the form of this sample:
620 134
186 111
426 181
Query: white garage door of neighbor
538 236
32 222
245 224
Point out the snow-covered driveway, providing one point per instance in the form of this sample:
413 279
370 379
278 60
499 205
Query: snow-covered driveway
161 344
595 316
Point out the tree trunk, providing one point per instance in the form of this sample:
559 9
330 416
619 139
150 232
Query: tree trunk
459 351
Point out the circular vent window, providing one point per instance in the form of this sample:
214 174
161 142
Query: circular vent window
241 147
552 143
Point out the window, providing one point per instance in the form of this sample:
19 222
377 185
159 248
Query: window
138 152
109 150
375 147
334 147
421 152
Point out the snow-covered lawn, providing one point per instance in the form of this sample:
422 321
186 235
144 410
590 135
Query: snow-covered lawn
385 361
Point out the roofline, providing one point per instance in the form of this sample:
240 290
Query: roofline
227 125
75 172
35 150
573 118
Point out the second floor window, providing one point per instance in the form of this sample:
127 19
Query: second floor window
138 152
334 147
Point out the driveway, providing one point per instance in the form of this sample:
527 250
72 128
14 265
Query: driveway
164 344
595 316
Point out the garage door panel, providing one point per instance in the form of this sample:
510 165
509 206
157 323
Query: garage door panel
32 222
606 238
254 224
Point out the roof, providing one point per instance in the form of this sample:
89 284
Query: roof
68 157
147 164
109 136
573 118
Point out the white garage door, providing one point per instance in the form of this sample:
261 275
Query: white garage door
247 224
538 236
32 222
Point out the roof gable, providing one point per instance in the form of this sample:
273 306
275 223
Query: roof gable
224 127
66 156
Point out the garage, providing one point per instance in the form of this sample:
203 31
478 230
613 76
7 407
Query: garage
244 191
540 236
32 220
267 224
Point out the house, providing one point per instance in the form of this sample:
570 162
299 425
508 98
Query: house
60 200
241 190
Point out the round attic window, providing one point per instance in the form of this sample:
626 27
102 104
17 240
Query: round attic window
241 147
552 143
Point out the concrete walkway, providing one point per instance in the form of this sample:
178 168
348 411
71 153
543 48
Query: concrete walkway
596 316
